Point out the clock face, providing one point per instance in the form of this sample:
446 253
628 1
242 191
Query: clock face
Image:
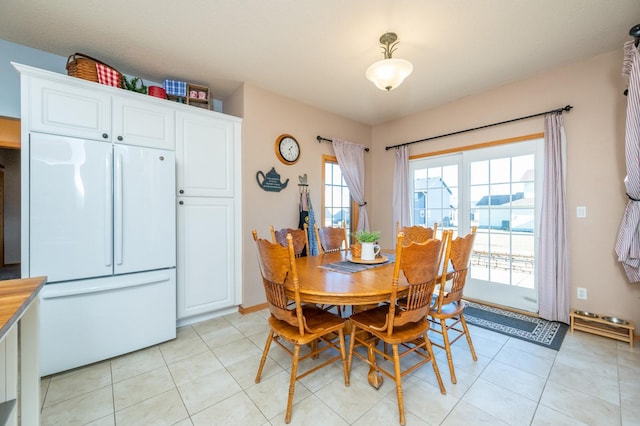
287 149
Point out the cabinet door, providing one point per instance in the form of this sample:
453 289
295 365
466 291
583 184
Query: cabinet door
205 155
205 267
143 122
64 109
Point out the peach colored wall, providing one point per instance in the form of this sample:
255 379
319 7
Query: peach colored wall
595 163
266 116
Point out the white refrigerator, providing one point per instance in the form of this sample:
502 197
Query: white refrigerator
102 229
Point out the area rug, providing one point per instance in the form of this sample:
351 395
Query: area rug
535 330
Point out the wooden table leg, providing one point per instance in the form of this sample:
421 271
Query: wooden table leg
375 378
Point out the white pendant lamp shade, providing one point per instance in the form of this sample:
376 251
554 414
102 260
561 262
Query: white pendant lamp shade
387 74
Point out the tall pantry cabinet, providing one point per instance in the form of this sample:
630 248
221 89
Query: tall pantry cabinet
208 214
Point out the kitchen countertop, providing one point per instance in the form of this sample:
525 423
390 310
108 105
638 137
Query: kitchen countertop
15 297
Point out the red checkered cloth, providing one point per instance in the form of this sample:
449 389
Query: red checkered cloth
107 75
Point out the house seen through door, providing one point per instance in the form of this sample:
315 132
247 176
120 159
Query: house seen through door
497 190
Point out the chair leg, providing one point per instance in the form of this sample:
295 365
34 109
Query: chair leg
398 377
466 332
447 347
345 370
352 341
292 383
265 352
434 364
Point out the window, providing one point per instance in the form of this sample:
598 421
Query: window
496 189
337 205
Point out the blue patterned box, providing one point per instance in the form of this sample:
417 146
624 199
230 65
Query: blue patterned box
175 88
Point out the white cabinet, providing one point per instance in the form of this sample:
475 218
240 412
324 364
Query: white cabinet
205 152
206 278
143 122
70 108
209 216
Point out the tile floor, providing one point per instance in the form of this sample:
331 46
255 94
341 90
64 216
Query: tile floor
206 377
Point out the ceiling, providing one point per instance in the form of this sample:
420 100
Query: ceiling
317 51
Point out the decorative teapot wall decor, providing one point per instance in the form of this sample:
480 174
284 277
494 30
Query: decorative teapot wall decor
271 181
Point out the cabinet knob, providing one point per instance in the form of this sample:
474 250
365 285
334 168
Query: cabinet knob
181 202
119 138
182 191
104 135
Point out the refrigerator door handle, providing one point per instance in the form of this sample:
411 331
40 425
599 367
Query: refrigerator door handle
118 232
108 226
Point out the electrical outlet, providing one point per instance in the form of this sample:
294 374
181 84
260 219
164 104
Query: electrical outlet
582 293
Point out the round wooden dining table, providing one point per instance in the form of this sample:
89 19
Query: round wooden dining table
321 283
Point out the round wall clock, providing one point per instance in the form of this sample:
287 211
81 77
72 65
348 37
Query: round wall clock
287 149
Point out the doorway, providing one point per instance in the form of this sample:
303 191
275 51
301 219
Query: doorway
9 198
497 190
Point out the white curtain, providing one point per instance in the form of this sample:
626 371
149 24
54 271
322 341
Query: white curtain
351 161
628 243
554 286
401 193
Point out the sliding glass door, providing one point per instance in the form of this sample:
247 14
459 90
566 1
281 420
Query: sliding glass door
496 190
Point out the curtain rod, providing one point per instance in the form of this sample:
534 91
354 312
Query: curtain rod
320 139
558 110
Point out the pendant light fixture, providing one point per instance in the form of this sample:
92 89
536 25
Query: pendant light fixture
389 73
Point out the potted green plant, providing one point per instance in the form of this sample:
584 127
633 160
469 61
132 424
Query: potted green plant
367 236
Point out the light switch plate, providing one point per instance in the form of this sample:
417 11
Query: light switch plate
581 211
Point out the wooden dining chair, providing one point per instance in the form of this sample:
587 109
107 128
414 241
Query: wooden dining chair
447 314
300 239
301 325
403 327
417 233
331 239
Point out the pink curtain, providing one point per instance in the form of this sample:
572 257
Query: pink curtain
401 193
628 243
553 280
351 161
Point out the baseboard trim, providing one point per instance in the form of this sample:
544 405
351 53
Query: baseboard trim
248 310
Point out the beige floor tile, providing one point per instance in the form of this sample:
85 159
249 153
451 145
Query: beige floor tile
594 383
190 369
230 353
351 402
425 400
545 416
244 372
210 325
501 403
135 363
235 410
81 409
161 410
515 380
310 411
464 414
586 408
525 361
208 390
143 386
214 364
187 344
77 382
385 412
270 395
109 420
